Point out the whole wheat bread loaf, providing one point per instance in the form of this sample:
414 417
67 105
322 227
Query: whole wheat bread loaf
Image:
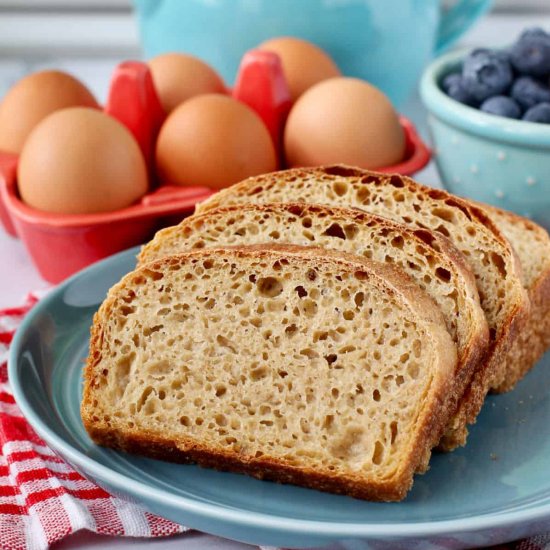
532 245
489 254
428 258
294 364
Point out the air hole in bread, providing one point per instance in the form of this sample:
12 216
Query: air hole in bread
311 274
309 307
126 310
328 422
301 291
129 296
210 303
443 230
154 275
359 299
335 230
398 242
454 203
413 370
398 197
443 274
307 222
143 398
291 330
269 287
445 214
363 195
309 353
368 179
349 315
342 171
396 181
498 261
340 188
226 343
351 230
394 431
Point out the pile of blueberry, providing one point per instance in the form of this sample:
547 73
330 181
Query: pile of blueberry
513 83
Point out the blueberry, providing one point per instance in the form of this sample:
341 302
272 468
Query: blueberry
450 81
538 113
486 73
528 91
501 105
453 85
531 53
533 32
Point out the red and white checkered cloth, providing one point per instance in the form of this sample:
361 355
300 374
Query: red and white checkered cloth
43 500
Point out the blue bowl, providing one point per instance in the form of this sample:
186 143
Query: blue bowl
488 158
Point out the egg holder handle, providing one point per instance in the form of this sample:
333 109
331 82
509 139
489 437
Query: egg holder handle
61 244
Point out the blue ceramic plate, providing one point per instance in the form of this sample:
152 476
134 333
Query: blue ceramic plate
494 490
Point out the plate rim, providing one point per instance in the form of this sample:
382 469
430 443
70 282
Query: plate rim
236 517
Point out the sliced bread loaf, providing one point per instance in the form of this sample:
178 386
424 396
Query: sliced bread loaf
428 258
247 359
488 253
532 245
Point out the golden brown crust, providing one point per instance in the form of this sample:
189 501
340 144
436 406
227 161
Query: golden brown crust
534 339
186 451
430 423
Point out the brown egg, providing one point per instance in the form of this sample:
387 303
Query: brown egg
304 63
215 141
179 76
343 120
81 161
35 97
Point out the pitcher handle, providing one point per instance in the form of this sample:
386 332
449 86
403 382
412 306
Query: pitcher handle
458 20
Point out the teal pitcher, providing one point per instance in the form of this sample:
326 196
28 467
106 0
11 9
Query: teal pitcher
387 42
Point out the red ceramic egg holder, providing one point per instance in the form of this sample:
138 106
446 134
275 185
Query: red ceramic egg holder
62 244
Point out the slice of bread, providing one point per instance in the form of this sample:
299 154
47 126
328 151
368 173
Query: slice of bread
428 258
532 244
488 253
248 359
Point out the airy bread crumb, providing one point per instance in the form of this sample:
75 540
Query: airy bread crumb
295 364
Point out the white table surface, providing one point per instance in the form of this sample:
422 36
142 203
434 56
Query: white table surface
18 276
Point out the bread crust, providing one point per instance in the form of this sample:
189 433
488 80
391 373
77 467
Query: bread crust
490 371
432 421
534 340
